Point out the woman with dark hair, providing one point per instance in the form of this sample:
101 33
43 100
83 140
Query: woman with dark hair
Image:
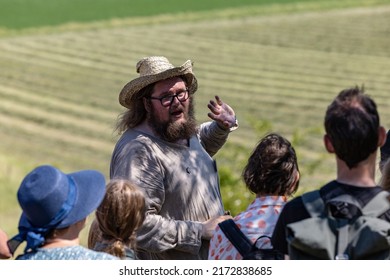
272 174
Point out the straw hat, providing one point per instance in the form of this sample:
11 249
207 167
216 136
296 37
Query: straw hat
153 69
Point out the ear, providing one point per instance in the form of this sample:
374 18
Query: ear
296 180
297 177
328 144
146 104
294 185
382 136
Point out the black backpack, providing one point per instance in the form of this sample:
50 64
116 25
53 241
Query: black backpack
244 246
341 229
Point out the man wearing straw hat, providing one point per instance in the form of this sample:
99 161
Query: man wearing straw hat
163 151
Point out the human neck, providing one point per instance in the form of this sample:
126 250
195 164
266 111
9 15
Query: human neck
65 237
146 128
58 242
361 176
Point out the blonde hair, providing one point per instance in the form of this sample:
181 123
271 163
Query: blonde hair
118 217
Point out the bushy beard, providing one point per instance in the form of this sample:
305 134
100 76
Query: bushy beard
173 131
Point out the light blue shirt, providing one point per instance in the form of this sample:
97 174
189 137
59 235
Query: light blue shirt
66 253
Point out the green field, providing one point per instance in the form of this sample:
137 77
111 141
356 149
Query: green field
277 64
19 14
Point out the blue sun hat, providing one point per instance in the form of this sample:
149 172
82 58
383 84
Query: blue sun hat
51 199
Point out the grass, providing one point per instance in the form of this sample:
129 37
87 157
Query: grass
278 65
20 14
39 16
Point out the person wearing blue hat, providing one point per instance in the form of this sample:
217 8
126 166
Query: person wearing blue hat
55 207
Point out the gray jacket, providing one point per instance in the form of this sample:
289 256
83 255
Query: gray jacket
181 186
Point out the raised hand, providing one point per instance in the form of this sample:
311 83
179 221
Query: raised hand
222 113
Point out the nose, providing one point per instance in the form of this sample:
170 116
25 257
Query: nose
175 100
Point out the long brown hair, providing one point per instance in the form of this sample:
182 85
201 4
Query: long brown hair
119 216
137 112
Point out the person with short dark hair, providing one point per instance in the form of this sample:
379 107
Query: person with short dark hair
164 152
55 207
353 134
272 174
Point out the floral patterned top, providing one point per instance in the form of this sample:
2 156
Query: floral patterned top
258 219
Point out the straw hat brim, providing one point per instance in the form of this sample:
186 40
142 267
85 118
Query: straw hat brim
130 90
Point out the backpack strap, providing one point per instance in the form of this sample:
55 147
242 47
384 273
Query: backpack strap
378 205
314 203
236 236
